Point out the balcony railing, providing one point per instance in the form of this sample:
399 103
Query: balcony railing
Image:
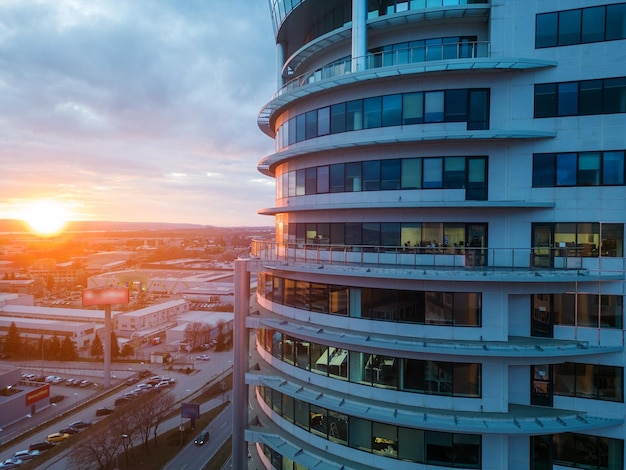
412 55
439 258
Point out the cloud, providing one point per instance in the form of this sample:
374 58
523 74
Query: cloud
108 101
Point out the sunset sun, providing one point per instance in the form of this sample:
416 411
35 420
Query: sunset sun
46 217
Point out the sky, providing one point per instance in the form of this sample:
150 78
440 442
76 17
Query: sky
136 110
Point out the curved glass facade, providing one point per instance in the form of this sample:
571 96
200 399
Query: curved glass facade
395 442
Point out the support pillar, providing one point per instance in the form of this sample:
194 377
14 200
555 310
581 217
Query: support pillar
359 35
240 363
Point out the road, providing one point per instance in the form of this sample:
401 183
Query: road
192 455
185 386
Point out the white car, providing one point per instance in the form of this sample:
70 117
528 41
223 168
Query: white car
203 357
25 454
162 384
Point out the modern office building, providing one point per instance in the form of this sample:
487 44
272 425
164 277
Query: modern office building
446 286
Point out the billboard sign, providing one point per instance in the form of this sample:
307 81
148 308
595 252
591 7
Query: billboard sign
106 296
190 410
36 395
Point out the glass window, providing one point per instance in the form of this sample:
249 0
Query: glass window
338 427
590 97
612 240
392 110
300 128
433 106
310 180
433 173
568 99
337 178
456 106
616 21
467 307
371 234
390 174
302 414
288 407
544 174
310 127
593 24
478 117
318 420
411 444
411 173
353 177
439 308
589 169
354 115
300 182
454 173
569 27
613 168
546 30
360 434
385 439
338 118
615 95
412 108
371 175
545 100
323 121
323 182
434 49
353 234
566 169
372 108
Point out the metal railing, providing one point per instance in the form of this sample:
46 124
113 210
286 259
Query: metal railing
409 55
437 257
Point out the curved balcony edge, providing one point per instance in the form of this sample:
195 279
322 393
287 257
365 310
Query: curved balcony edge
291 93
519 420
526 265
516 348
267 164
465 204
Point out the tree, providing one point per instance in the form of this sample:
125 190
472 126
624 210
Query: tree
13 342
127 350
115 345
68 349
97 349
53 348
193 332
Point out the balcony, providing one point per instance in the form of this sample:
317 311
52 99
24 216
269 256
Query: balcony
537 264
413 55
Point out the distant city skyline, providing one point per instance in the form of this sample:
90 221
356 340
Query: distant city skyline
135 111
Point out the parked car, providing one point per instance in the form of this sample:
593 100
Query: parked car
85 383
80 424
144 386
132 380
44 445
25 454
11 463
103 411
57 437
202 438
54 379
168 379
72 382
203 357
154 380
144 373
162 385
69 430
131 395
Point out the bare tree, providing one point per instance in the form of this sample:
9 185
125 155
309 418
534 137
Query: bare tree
99 447
193 332
150 414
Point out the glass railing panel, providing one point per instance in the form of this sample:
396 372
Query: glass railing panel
446 258
418 54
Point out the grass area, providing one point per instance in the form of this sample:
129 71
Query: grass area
169 445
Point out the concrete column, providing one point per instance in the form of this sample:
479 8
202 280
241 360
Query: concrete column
359 35
280 62
107 346
240 363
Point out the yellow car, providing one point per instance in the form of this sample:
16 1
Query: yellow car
57 437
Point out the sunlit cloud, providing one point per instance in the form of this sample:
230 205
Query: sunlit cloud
100 100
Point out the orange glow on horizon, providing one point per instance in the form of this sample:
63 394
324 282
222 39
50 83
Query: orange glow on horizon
46 217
